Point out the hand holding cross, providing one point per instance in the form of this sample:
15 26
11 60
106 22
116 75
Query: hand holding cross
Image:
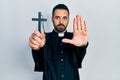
37 39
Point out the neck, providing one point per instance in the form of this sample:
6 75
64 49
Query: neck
60 32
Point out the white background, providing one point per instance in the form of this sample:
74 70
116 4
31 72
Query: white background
102 60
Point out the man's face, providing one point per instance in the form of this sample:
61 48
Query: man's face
60 20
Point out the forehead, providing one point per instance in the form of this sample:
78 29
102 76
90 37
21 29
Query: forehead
61 12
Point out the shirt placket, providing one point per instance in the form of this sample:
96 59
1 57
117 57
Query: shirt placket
61 60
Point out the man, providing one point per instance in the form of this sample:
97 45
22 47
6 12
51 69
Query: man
59 53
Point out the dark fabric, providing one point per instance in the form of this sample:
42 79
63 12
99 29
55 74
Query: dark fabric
57 60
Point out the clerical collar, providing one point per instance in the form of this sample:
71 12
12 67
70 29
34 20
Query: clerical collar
59 34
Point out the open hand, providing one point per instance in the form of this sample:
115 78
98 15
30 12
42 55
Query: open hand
80 32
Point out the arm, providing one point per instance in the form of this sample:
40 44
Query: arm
36 42
38 57
80 38
81 52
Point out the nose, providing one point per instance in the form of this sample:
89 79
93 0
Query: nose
61 21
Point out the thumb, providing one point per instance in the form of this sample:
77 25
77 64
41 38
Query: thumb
42 35
67 41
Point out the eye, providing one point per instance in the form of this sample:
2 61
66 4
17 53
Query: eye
65 18
57 17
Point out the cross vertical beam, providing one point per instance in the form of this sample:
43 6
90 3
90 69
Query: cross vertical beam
39 19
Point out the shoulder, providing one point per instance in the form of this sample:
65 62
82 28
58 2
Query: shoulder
68 34
49 34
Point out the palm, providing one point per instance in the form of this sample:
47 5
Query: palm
80 33
79 38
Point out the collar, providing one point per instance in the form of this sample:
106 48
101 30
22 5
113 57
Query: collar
59 34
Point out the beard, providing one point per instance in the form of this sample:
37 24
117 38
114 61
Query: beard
60 28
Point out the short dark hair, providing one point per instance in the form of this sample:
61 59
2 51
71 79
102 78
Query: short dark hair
60 6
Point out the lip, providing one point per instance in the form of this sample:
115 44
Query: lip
60 27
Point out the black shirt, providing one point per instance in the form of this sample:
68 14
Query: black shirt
57 60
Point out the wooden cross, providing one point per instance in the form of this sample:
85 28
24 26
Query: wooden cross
39 19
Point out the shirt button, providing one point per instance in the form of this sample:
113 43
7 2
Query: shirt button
61 59
62 76
62 52
61 44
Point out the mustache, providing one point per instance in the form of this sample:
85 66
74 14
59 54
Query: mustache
60 25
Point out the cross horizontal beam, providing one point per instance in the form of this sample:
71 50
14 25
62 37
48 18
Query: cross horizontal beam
39 19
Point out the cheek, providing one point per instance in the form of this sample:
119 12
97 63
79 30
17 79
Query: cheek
56 22
66 23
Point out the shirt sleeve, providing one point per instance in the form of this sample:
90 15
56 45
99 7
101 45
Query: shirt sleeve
81 52
38 57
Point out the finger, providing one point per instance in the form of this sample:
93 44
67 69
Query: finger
37 33
74 25
34 47
86 25
35 38
81 23
34 42
78 22
42 35
67 41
